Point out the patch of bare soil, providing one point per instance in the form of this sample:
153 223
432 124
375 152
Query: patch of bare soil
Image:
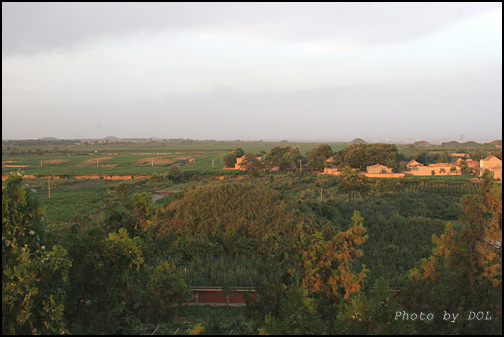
161 194
92 161
54 161
156 160
15 165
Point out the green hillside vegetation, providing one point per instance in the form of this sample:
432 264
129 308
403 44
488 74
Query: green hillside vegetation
109 257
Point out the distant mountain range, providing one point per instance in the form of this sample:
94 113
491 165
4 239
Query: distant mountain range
470 143
110 139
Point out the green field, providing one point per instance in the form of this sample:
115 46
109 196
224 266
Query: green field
130 158
71 196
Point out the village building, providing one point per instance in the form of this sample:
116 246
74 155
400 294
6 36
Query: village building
413 163
239 161
331 170
493 164
378 168
497 172
458 162
440 169
474 166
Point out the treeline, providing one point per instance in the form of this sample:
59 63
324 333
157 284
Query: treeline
355 156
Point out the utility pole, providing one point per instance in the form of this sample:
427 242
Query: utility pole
300 164
41 163
213 162
97 163
152 163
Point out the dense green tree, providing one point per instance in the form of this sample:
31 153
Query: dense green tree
123 189
422 157
464 168
284 158
238 152
316 158
327 261
174 174
141 208
33 276
444 157
112 288
352 182
230 160
298 315
276 157
251 164
373 314
478 154
362 155
464 272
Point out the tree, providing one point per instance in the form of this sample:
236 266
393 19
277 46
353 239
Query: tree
283 157
112 289
174 173
33 276
298 315
352 182
444 157
123 189
422 157
230 160
251 164
141 208
327 261
362 155
373 315
464 168
464 272
238 152
317 157
453 170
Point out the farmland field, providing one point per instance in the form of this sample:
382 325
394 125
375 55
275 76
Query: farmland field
95 164
131 158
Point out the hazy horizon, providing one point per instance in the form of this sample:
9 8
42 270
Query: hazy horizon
250 71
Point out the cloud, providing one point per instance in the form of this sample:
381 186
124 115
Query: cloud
38 27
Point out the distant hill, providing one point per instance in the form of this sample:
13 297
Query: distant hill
497 142
422 143
111 138
470 144
358 141
454 143
48 138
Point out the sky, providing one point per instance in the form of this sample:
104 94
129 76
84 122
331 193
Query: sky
384 72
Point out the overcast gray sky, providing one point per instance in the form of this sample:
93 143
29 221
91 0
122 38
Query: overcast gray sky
225 71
